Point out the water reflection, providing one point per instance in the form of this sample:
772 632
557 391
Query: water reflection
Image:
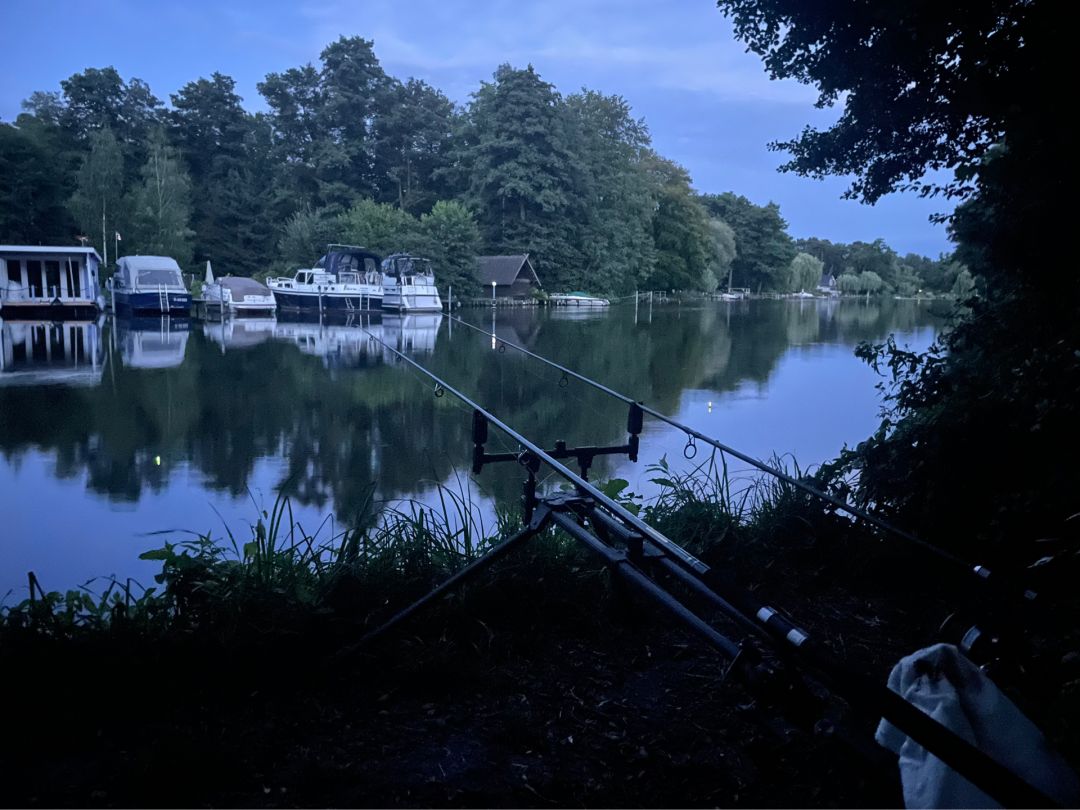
51 353
173 419
158 342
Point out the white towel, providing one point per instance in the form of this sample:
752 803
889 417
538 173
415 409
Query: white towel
948 687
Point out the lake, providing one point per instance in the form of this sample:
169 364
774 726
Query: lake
113 432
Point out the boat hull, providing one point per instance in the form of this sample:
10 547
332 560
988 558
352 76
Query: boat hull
171 303
62 310
293 301
412 302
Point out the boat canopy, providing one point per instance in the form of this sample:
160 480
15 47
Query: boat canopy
402 264
150 271
240 286
348 258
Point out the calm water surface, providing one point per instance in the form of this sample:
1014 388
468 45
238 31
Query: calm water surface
112 432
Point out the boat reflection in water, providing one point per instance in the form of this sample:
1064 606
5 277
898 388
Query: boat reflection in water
152 342
51 352
354 341
239 333
413 333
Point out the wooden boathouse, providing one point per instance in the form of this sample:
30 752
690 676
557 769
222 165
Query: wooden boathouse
60 283
512 276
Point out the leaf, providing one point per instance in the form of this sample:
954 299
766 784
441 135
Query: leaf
157 554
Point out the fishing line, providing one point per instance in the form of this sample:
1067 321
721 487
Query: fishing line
980 571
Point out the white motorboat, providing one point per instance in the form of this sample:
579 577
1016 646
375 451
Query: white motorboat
578 299
347 279
409 285
237 295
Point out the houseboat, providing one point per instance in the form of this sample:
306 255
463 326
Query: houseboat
409 285
69 353
149 284
59 283
346 279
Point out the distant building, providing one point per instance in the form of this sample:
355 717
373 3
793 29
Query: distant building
514 276
828 284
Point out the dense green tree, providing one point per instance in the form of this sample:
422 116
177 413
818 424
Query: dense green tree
723 237
380 227
804 273
33 204
516 166
412 141
685 249
98 202
304 238
831 254
848 283
449 236
227 162
618 192
763 248
876 257
870 282
161 205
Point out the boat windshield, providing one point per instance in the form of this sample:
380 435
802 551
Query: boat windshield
163 277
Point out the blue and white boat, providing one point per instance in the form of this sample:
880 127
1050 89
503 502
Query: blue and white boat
345 280
409 285
144 285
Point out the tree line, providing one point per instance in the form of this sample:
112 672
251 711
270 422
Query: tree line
347 153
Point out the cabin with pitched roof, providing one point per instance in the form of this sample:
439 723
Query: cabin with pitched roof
513 276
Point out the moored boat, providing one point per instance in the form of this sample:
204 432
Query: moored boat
239 295
58 283
409 284
149 284
578 299
346 279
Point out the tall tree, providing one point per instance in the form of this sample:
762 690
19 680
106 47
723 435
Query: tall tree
618 192
723 236
763 248
412 140
450 237
228 164
161 205
98 202
380 227
685 250
518 171
32 192
805 272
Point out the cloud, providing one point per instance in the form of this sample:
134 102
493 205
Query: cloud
665 46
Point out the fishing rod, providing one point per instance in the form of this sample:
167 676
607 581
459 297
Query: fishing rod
980 571
645 545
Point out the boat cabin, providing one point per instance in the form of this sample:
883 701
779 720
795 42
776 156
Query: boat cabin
149 274
40 280
409 269
351 264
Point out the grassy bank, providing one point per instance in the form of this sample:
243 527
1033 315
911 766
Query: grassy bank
540 683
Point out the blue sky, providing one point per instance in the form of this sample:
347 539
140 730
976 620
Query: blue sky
708 104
